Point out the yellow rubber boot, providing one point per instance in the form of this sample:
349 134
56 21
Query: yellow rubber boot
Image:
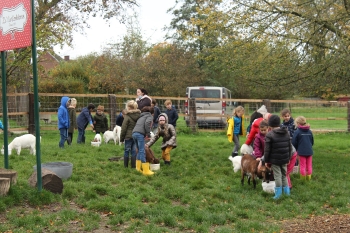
167 155
138 165
302 177
308 177
145 169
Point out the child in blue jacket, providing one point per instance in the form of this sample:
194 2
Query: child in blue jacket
171 113
63 120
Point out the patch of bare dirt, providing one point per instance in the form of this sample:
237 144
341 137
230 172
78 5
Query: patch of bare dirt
319 224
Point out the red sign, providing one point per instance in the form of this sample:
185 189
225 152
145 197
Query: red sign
15 24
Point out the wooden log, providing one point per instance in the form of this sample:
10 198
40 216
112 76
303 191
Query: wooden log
7 173
50 181
4 186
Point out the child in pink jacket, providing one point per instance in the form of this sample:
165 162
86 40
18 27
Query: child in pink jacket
259 141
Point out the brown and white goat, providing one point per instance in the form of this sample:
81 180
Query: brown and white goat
150 158
249 167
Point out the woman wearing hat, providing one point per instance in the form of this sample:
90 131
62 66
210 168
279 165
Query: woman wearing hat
100 120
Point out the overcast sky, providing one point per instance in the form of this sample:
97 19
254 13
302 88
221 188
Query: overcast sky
152 18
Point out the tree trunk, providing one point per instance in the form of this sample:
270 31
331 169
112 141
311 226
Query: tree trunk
4 186
6 173
50 181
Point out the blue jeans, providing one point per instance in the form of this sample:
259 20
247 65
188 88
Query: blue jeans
139 140
129 147
81 136
64 137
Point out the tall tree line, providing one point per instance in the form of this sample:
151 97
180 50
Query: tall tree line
256 48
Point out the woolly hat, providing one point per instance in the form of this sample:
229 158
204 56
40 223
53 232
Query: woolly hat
262 109
161 118
274 121
100 107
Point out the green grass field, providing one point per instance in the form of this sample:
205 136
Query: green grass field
199 192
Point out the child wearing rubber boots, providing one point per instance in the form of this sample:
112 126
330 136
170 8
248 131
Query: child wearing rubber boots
277 152
167 131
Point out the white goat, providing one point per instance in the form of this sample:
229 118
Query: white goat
113 135
246 149
236 162
97 138
22 142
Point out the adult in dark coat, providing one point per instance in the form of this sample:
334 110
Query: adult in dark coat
142 99
83 120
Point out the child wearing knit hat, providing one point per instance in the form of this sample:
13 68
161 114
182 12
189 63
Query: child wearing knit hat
277 152
167 131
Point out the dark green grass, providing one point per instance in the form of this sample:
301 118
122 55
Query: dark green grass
199 192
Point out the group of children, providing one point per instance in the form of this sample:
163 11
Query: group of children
136 125
68 121
136 128
276 144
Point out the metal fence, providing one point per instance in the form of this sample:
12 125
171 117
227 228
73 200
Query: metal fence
322 115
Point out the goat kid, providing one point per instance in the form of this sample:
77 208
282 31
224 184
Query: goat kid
97 138
113 135
22 142
150 158
249 168
236 162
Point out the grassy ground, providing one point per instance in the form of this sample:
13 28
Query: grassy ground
199 192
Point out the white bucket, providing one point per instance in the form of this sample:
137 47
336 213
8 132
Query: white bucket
95 143
154 167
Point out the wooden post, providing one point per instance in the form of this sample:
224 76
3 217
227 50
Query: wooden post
112 110
50 181
31 124
7 173
192 114
267 103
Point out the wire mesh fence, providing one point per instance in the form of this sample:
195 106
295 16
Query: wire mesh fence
321 115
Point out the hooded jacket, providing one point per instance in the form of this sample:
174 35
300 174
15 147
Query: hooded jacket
144 124
254 130
169 138
303 140
84 118
100 123
231 127
129 122
278 146
62 114
259 145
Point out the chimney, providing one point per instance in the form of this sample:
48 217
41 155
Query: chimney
66 58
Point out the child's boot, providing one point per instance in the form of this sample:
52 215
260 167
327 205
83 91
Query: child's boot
308 177
302 177
234 154
133 161
145 169
126 161
167 159
286 190
138 165
278 192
